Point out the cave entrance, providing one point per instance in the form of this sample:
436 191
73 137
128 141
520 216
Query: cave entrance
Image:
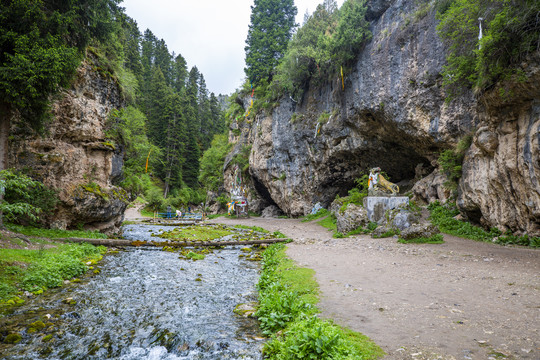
263 193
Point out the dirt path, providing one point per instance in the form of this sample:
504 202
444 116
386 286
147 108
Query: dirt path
458 300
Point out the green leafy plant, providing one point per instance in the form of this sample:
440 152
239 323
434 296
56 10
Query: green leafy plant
41 269
443 217
451 162
23 197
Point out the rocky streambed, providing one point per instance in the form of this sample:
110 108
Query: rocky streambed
143 304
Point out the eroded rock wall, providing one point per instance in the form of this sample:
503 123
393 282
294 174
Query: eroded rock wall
75 157
392 114
499 186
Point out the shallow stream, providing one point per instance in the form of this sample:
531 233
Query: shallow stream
147 304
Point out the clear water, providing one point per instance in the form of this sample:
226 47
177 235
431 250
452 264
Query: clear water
151 305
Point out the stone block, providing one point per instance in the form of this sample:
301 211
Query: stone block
376 206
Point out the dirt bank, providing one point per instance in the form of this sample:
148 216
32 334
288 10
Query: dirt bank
458 300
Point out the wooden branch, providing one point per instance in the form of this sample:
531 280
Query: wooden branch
137 243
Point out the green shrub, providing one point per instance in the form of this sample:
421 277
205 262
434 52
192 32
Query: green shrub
443 217
510 32
451 162
525 240
24 198
43 268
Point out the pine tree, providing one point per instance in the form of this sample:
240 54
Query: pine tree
272 24
179 73
190 171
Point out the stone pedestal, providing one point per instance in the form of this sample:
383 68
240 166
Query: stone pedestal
376 206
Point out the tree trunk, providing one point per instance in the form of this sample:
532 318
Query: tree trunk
5 115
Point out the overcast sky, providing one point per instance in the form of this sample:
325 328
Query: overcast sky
210 34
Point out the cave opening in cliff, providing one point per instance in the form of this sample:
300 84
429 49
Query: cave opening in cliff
263 192
401 164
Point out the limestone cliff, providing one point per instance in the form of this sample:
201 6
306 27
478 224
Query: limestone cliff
392 114
75 157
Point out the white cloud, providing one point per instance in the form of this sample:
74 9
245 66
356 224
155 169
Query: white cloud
210 34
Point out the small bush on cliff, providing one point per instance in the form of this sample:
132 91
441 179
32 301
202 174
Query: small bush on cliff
451 162
510 32
329 39
443 217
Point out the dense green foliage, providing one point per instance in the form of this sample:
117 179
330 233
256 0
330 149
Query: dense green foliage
287 310
40 48
271 26
171 117
24 198
329 39
211 174
38 270
510 31
443 217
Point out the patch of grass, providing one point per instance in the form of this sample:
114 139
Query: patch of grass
200 233
435 239
329 222
280 235
147 212
319 214
288 295
443 217
215 216
41 269
54 233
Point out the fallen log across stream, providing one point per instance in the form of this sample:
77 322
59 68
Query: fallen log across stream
125 243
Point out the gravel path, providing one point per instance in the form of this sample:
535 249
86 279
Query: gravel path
458 300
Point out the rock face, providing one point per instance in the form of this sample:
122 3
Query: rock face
431 188
501 170
75 157
392 114
376 206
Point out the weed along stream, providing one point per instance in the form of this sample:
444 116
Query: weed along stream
157 303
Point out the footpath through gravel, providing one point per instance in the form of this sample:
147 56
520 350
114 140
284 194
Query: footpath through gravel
458 300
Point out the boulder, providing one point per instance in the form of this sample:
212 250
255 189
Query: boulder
376 206
353 217
431 188
400 218
425 230
271 211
